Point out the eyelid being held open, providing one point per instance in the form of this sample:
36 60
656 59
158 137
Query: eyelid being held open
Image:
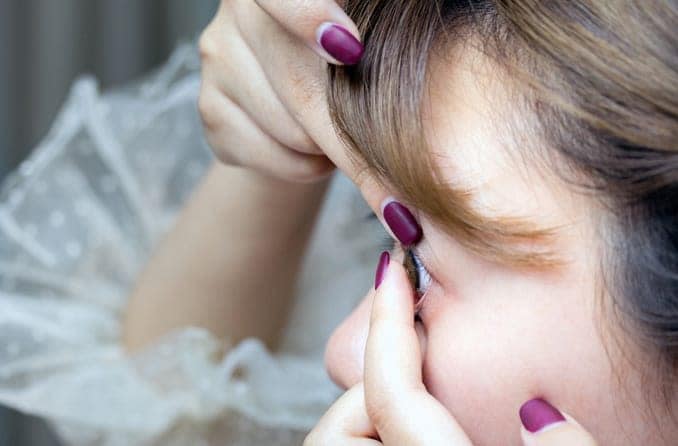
418 275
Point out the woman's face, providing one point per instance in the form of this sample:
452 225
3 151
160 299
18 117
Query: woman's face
493 336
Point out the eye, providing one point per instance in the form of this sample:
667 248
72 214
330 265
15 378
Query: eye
419 276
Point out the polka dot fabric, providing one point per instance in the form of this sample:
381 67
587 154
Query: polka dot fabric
80 217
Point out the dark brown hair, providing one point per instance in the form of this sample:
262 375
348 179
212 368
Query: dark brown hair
599 86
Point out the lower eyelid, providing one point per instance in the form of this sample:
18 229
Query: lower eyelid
427 281
398 254
428 264
421 301
434 285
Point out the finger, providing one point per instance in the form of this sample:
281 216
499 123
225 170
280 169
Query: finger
392 336
237 141
346 422
299 80
544 425
322 25
396 400
231 65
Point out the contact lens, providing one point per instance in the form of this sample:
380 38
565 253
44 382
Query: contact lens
417 274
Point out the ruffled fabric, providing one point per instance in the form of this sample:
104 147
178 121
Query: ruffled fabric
78 220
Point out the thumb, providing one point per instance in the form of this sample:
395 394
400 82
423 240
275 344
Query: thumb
544 425
321 24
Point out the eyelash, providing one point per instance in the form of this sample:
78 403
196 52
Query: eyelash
386 243
422 278
413 262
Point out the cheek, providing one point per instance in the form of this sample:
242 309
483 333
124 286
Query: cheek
475 366
345 350
488 354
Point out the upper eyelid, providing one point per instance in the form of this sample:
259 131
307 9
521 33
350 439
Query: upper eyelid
425 261
505 253
428 259
427 256
388 242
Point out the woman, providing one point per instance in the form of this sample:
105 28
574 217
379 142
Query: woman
536 147
457 127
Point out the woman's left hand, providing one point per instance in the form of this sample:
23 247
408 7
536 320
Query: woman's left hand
392 406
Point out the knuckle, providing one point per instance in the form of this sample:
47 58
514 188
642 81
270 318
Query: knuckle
207 44
223 149
226 157
312 170
299 140
207 108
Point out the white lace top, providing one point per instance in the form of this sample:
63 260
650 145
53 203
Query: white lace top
78 220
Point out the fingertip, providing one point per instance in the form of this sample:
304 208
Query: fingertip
339 46
538 414
350 47
382 267
322 25
393 361
394 296
544 425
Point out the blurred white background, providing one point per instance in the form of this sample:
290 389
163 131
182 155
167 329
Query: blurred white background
44 46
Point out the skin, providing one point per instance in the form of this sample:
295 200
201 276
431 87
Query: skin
392 406
490 338
493 336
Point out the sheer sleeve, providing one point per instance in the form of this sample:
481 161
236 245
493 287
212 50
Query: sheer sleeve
79 218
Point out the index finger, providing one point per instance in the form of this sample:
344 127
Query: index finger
322 25
396 399
300 80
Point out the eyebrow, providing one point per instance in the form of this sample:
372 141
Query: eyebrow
512 240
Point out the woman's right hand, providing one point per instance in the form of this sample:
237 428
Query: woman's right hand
260 82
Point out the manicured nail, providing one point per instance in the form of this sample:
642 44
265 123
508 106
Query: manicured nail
402 223
537 414
340 43
382 266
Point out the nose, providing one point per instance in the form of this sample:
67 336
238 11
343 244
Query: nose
345 350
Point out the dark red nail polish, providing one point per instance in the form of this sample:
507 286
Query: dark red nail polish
340 43
537 414
382 266
402 223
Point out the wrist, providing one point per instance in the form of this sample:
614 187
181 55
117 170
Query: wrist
242 191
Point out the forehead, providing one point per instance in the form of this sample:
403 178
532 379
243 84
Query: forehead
482 141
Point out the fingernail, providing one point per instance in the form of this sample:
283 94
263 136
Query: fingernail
402 223
382 266
340 43
537 414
